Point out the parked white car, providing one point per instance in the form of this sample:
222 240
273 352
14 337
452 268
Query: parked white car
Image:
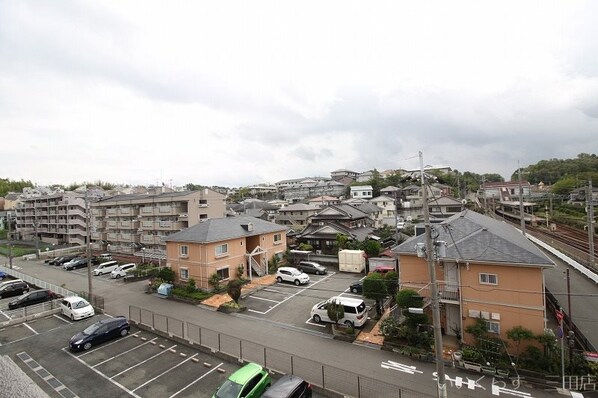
76 308
105 268
292 275
121 270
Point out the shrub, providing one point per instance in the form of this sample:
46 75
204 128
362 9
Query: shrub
166 274
197 295
335 311
191 287
389 327
214 282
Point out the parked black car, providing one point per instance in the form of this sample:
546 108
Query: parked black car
31 298
289 386
64 259
311 267
99 332
356 287
13 288
76 263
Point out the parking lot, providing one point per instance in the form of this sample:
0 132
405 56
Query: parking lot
141 364
290 304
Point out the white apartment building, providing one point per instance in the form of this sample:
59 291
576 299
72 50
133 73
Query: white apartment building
138 224
57 218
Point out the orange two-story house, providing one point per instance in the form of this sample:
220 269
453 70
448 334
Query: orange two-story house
226 247
489 270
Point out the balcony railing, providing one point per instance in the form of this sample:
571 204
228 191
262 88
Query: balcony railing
447 291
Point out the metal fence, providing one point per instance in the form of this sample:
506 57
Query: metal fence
38 282
329 378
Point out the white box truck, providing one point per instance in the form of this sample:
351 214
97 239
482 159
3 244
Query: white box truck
351 261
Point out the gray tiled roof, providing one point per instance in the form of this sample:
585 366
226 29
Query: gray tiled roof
471 236
220 229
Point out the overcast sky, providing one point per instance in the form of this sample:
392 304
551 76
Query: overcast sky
239 93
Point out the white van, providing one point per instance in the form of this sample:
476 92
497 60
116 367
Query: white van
356 312
121 270
105 268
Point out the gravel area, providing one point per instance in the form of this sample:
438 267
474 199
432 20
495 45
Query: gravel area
15 382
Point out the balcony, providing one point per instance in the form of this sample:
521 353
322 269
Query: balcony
111 212
98 235
112 236
111 224
447 292
125 211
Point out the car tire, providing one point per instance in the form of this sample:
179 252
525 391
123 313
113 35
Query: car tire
87 346
279 279
124 332
72 317
354 290
349 324
297 283
117 276
316 318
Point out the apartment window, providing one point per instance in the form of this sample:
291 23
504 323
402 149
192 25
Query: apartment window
184 250
493 327
488 279
221 250
223 273
203 216
277 239
184 273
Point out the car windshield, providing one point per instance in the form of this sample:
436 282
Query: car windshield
92 329
80 304
229 389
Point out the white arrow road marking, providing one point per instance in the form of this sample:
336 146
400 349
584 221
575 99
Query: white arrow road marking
400 367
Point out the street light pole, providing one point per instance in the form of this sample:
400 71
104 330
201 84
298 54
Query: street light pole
88 247
433 285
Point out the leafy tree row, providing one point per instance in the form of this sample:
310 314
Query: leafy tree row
7 185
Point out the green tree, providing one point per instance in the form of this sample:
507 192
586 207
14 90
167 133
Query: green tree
214 282
341 241
392 283
234 289
166 274
191 287
519 334
374 287
564 186
335 311
371 247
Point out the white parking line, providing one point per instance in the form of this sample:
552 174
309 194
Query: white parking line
125 389
62 319
295 294
30 328
144 361
201 377
265 299
124 352
309 322
166 371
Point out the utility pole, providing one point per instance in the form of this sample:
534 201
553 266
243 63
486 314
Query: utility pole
521 212
590 202
8 215
88 247
35 230
434 288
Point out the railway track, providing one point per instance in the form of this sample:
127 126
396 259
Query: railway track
571 240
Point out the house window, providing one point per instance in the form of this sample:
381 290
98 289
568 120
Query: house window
184 273
222 273
222 250
277 239
493 327
488 279
184 250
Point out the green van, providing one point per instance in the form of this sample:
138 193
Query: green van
248 382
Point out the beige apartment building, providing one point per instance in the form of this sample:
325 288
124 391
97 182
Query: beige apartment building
55 218
488 269
138 224
228 247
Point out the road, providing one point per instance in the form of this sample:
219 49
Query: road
376 364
